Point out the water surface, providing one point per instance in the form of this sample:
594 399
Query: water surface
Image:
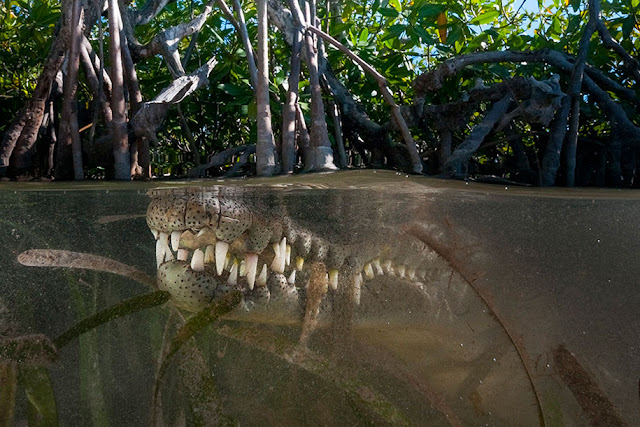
527 309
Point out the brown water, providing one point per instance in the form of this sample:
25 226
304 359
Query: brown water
532 314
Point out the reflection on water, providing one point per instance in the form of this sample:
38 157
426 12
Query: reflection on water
417 302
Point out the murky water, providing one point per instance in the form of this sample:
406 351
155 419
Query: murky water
454 304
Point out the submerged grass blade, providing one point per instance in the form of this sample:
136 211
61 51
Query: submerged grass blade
121 309
206 316
9 382
70 259
42 409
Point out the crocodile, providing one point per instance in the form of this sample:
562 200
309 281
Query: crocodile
291 256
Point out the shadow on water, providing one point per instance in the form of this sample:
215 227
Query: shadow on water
418 302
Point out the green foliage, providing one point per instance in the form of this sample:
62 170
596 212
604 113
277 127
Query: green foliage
26 27
400 38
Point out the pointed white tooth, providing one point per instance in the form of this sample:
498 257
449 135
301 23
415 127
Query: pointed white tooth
333 279
292 278
168 256
387 267
299 263
201 232
229 262
422 273
368 271
209 256
197 260
411 273
183 254
161 250
276 257
242 270
280 251
401 270
233 275
357 288
262 278
175 240
251 263
288 255
221 255
376 264
155 233
283 255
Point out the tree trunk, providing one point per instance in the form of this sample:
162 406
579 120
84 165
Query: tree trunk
265 144
321 153
288 152
121 156
69 154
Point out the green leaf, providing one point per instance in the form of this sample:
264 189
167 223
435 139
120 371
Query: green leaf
396 5
485 17
364 35
389 12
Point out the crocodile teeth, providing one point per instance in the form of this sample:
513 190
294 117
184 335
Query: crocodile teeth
242 270
288 255
155 233
387 267
376 264
368 271
209 256
401 270
262 278
197 260
411 273
233 275
201 232
333 279
175 240
161 247
299 263
168 256
221 255
357 288
422 273
183 254
251 266
279 259
292 278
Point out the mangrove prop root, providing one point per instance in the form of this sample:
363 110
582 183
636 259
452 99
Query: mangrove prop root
589 396
121 309
70 259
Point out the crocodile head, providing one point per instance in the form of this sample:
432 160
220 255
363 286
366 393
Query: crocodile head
210 241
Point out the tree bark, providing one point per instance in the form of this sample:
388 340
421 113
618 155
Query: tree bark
265 144
574 91
321 152
288 148
121 155
557 132
69 155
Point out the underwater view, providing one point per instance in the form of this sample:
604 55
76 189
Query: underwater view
356 298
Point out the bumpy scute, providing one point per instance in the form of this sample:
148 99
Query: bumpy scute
167 214
190 290
235 219
202 210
